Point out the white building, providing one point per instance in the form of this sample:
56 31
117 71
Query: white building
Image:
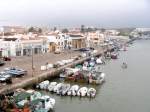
19 46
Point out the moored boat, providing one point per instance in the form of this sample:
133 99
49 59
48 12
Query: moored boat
73 90
91 92
82 91
51 86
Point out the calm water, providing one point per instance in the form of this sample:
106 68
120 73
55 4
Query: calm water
125 90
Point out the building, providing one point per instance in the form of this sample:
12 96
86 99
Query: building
77 41
22 45
94 39
12 29
57 41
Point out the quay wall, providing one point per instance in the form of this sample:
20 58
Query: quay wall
49 74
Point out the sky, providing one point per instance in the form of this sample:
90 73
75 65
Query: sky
72 13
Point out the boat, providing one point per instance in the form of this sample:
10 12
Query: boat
57 87
99 61
82 91
124 65
51 86
91 92
92 63
96 77
43 85
73 90
68 71
114 56
43 104
65 89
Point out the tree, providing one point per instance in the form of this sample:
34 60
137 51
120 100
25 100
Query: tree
31 29
65 30
39 30
103 29
55 28
82 28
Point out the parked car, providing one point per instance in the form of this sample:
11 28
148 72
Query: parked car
57 51
16 72
6 58
5 77
2 63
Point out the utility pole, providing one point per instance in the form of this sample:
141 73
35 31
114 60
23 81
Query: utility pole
32 60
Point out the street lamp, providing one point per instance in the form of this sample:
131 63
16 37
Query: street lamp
32 60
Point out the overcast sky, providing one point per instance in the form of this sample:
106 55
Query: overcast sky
101 13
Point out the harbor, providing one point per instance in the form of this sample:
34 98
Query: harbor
87 63
123 89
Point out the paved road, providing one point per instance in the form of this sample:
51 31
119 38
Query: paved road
25 62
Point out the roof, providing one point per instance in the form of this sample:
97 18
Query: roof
75 35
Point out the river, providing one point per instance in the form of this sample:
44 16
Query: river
125 90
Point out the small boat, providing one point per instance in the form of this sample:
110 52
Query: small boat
51 86
91 92
97 78
114 56
65 89
82 91
57 87
99 61
73 90
92 63
43 85
49 102
124 65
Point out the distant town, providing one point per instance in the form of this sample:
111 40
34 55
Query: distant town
36 64
19 41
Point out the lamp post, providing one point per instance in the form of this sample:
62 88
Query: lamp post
32 60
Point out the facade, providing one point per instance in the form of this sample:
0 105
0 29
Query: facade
21 47
77 41
94 39
57 41
12 29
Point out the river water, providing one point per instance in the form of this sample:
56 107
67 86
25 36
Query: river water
125 90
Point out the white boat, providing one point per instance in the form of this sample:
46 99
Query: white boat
65 89
43 85
73 90
51 86
57 87
99 61
82 91
49 102
91 92
92 63
97 78
37 100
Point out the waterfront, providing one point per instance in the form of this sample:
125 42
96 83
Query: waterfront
125 90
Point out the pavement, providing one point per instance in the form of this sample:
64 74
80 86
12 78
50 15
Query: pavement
25 62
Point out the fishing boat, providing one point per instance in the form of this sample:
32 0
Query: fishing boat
96 77
43 85
73 90
114 56
124 65
35 99
57 87
51 86
65 89
99 61
91 92
82 91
